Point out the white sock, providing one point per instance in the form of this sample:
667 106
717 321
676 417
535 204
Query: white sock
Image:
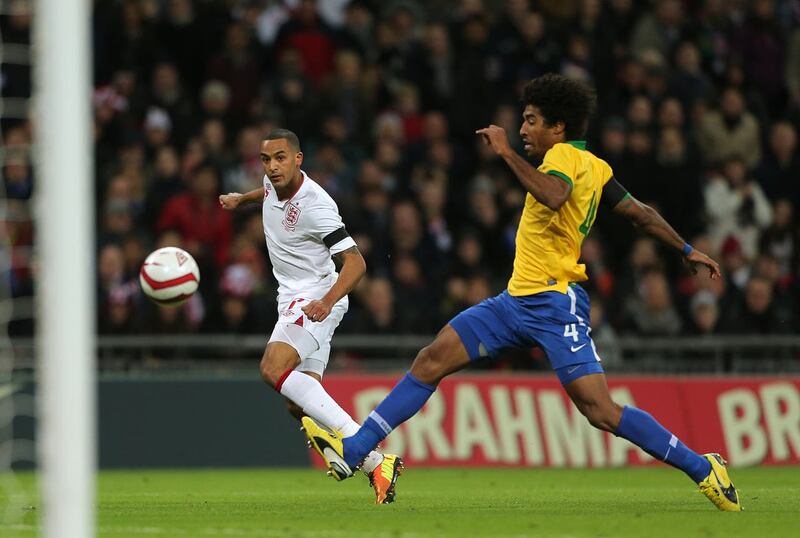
308 393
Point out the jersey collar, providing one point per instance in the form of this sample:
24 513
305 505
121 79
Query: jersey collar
300 191
580 144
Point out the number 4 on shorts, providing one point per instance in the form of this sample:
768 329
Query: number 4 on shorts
571 330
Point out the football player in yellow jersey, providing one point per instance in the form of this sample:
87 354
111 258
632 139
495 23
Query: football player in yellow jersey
543 304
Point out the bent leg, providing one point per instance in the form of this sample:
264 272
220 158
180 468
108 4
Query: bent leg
590 394
304 393
442 357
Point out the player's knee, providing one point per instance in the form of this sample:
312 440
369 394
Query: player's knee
268 373
271 372
428 366
275 363
602 416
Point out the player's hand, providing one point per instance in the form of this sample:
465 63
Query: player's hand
230 200
496 138
697 258
317 310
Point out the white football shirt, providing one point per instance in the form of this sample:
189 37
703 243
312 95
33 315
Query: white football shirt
302 233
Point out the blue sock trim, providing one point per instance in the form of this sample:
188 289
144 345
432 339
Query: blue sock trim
379 420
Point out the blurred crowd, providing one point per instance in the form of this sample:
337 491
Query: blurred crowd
699 109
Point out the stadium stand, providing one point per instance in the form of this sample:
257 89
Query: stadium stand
699 109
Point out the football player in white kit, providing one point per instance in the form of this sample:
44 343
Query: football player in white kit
305 236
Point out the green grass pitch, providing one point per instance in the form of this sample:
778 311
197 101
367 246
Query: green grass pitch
461 502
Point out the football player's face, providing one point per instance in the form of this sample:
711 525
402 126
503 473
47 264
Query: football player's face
281 162
537 134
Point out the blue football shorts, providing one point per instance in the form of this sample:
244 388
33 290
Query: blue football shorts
558 322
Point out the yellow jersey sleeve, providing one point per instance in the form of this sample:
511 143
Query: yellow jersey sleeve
560 161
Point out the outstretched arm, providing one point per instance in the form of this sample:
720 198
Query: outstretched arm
650 221
232 200
352 269
547 189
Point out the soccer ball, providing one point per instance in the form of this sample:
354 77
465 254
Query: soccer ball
169 276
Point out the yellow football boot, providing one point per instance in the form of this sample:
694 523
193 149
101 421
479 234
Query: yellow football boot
329 446
717 486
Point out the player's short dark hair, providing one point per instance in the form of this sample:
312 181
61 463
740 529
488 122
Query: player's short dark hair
562 99
284 134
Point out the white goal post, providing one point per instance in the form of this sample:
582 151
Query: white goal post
65 246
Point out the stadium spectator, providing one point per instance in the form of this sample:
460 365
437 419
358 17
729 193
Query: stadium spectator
731 131
238 69
432 68
760 311
214 137
356 31
736 265
312 38
157 129
736 207
688 82
638 163
592 255
676 181
432 196
168 94
671 115
236 312
759 42
246 172
642 258
613 141
468 103
346 96
110 268
215 98
660 29
779 170
704 313
782 242
188 37
650 312
416 294
204 227
124 37
378 313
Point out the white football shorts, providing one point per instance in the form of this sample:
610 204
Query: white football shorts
311 339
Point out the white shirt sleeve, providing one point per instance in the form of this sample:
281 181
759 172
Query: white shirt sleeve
326 225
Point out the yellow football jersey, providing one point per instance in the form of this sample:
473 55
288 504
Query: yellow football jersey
549 242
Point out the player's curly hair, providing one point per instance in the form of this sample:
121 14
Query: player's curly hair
562 99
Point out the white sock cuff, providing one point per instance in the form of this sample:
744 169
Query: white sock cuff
296 385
